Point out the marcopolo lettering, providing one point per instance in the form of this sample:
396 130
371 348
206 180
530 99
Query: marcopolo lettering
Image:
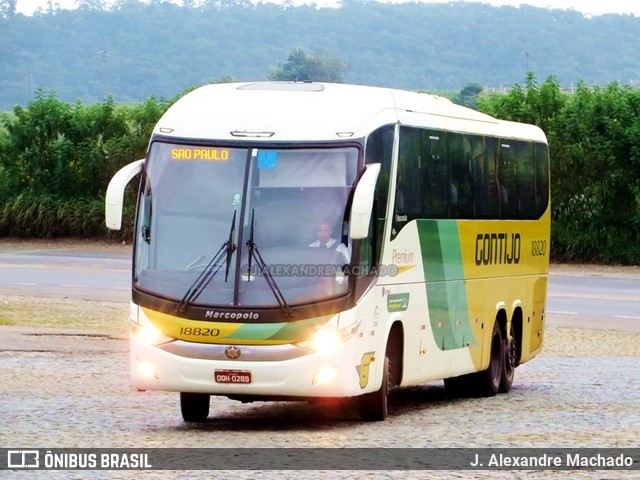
232 315
498 248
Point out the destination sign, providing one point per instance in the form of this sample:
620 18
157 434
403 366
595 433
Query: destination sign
200 153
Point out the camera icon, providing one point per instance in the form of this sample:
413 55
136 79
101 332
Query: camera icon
23 459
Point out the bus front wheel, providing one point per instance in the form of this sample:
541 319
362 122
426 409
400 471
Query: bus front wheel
194 406
374 406
485 383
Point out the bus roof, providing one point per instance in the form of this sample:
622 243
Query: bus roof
306 111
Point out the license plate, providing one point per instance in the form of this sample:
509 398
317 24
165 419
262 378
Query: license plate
232 376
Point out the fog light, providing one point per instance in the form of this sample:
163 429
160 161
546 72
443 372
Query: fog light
325 375
147 369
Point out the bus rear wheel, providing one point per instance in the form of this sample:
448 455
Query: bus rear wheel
510 361
374 406
194 406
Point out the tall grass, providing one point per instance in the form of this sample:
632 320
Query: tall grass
47 216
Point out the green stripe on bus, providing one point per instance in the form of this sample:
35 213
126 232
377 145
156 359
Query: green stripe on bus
446 290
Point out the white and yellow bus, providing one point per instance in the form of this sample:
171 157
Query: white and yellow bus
441 214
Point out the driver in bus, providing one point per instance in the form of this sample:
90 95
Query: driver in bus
324 235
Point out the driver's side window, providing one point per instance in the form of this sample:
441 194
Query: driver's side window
378 150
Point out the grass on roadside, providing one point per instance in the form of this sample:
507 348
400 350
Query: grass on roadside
63 313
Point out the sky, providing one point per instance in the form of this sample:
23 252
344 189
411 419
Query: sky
587 7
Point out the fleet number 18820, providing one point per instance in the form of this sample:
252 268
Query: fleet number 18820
538 248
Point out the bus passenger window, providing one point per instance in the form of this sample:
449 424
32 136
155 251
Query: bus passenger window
542 178
525 180
507 190
461 195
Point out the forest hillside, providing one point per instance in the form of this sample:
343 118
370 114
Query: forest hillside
135 50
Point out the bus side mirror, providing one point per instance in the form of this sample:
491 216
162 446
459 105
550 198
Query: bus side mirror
115 194
363 203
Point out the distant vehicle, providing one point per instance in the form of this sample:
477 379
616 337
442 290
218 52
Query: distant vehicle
440 222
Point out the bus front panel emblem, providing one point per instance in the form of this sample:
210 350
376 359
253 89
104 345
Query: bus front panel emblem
232 352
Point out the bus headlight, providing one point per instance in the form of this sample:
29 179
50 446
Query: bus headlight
327 339
149 334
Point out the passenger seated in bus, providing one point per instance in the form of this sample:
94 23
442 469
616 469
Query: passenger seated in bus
324 235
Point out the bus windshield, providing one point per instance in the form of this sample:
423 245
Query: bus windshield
220 226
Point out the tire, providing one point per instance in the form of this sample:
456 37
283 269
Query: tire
488 381
510 361
374 406
194 406
485 383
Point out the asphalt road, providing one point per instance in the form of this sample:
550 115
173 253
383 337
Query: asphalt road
102 274
606 297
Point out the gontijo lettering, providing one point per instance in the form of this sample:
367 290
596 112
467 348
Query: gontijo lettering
497 249
199 153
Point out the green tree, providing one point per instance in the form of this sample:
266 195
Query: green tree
34 144
597 195
468 96
300 66
95 5
141 120
7 8
56 160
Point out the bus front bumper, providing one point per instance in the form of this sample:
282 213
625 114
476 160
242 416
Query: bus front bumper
239 370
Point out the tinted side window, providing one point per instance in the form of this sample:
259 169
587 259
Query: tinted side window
462 176
485 187
542 178
525 180
461 195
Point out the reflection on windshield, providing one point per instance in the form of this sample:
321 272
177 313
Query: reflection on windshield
292 201
263 269
215 264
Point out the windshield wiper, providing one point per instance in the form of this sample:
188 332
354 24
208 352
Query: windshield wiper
253 250
210 271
